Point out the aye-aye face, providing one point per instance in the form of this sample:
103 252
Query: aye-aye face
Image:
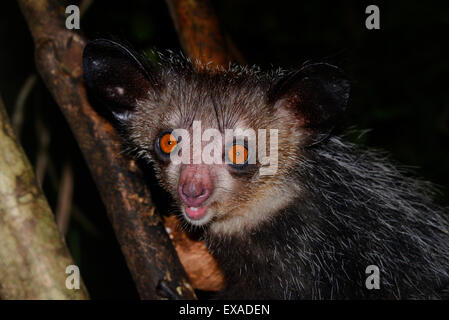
224 142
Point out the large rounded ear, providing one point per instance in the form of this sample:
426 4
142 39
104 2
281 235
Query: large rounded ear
314 97
116 76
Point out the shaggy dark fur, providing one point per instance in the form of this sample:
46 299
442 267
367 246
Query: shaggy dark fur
352 208
358 210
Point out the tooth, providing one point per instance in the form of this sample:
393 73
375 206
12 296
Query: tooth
193 208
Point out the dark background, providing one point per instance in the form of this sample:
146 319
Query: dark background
399 76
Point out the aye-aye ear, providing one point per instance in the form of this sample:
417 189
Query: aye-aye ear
116 76
316 96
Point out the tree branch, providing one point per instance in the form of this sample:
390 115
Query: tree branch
33 255
150 256
199 31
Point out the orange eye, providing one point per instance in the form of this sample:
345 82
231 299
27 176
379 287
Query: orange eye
168 143
238 154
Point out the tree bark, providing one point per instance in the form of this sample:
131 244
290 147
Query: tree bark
33 254
149 254
199 32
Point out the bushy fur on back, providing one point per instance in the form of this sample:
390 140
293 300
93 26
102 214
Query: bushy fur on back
357 210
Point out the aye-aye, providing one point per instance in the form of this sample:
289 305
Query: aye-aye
325 216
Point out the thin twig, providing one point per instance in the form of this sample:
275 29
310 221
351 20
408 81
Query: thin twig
19 108
65 196
42 154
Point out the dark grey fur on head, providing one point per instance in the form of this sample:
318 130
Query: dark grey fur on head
351 207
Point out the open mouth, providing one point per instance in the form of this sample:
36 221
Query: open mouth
196 213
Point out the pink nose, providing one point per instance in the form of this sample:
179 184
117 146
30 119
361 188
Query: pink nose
193 194
195 185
